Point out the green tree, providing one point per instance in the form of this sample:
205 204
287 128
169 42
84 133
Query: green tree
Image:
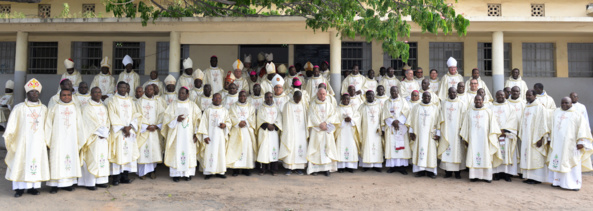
383 20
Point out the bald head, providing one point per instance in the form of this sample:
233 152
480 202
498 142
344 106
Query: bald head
566 103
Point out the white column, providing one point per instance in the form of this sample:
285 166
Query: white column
20 66
335 61
174 54
497 61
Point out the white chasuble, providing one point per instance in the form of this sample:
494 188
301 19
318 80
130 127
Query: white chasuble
64 136
185 80
451 150
204 102
149 143
212 155
293 149
355 80
321 152
215 77
180 148
506 118
397 143
371 142
240 152
268 141
406 87
124 150
26 157
281 100
422 122
533 127
83 99
105 82
480 130
389 82
448 81
518 82
170 97
348 140
132 78
95 151
230 100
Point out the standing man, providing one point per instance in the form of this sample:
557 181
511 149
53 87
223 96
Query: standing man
198 89
129 76
347 139
256 98
65 137
419 76
423 121
149 138
280 97
240 152
124 117
355 79
505 115
570 148
65 84
397 143
292 74
451 151
515 80
104 80
425 87
72 74
266 83
154 79
205 100
578 107
83 94
95 152
215 134
434 81
370 82
293 149
481 83
408 85
269 124
170 93
322 120
181 119
214 75
232 97
186 79
313 83
533 133
371 142
6 103
240 79
518 104
543 97
26 151
389 80
462 94
480 130
450 79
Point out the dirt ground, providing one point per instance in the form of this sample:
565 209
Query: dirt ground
341 191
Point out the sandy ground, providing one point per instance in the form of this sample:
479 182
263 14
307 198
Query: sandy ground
342 191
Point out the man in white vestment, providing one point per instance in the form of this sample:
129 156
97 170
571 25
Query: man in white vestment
579 107
543 97
72 74
6 103
186 79
322 121
149 138
389 80
570 147
154 79
181 119
451 150
215 134
169 94
504 114
355 79
347 139
481 83
240 152
518 105
434 81
65 137
104 80
95 152
65 84
205 100
83 95
371 141
125 119
269 125
214 75
419 75
26 151
397 143
515 80
408 85
293 140
129 76
422 124
533 133
198 89
451 79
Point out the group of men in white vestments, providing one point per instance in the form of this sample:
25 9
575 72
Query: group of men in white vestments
262 116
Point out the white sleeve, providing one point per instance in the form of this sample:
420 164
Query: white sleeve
102 131
172 124
160 126
134 124
389 121
438 133
117 128
586 144
143 128
411 130
402 119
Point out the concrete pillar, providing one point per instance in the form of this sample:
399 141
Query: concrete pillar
470 60
335 60
20 66
376 55
174 54
517 55
497 61
290 55
561 59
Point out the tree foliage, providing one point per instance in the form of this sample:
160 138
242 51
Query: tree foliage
382 20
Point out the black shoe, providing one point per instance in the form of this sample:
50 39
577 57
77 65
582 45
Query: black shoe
473 180
340 170
431 175
419 174
175 179
390 170
448 174
575 189
327 173
221 176
365 169
457 175
403 171
115 180
19 193
496 177
507 178
235 172
102 185
207 177
350 170
125 178
91 188
188 178
488 181
33 191
152 175
527 181
246 172
53 190
314 173
377 169
69 188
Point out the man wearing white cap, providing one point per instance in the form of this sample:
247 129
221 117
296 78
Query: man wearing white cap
282 70
240 80
104 80
26 157
198 89
129 76
186 79
451 79
214 75
261 62
154 79
170 93
6 102
72 74
280 97
247 66
266 83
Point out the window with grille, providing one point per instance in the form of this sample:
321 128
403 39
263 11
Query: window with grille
439 53
162 57
538 60
357 53
88 8
397 63
134 50
5 8
7 53
316 54
87 57
538 10
44 10
485 58
43 58
494 10
580 59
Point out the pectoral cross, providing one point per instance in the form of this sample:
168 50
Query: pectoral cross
450 114
297 113
478 116
126 106
560 121
67 114
128 79
215 117
215 75
498 113
527 114
35 117
242 112
272 113
148 107
322 111
452 83
372 112
104 80
424 115
101 116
